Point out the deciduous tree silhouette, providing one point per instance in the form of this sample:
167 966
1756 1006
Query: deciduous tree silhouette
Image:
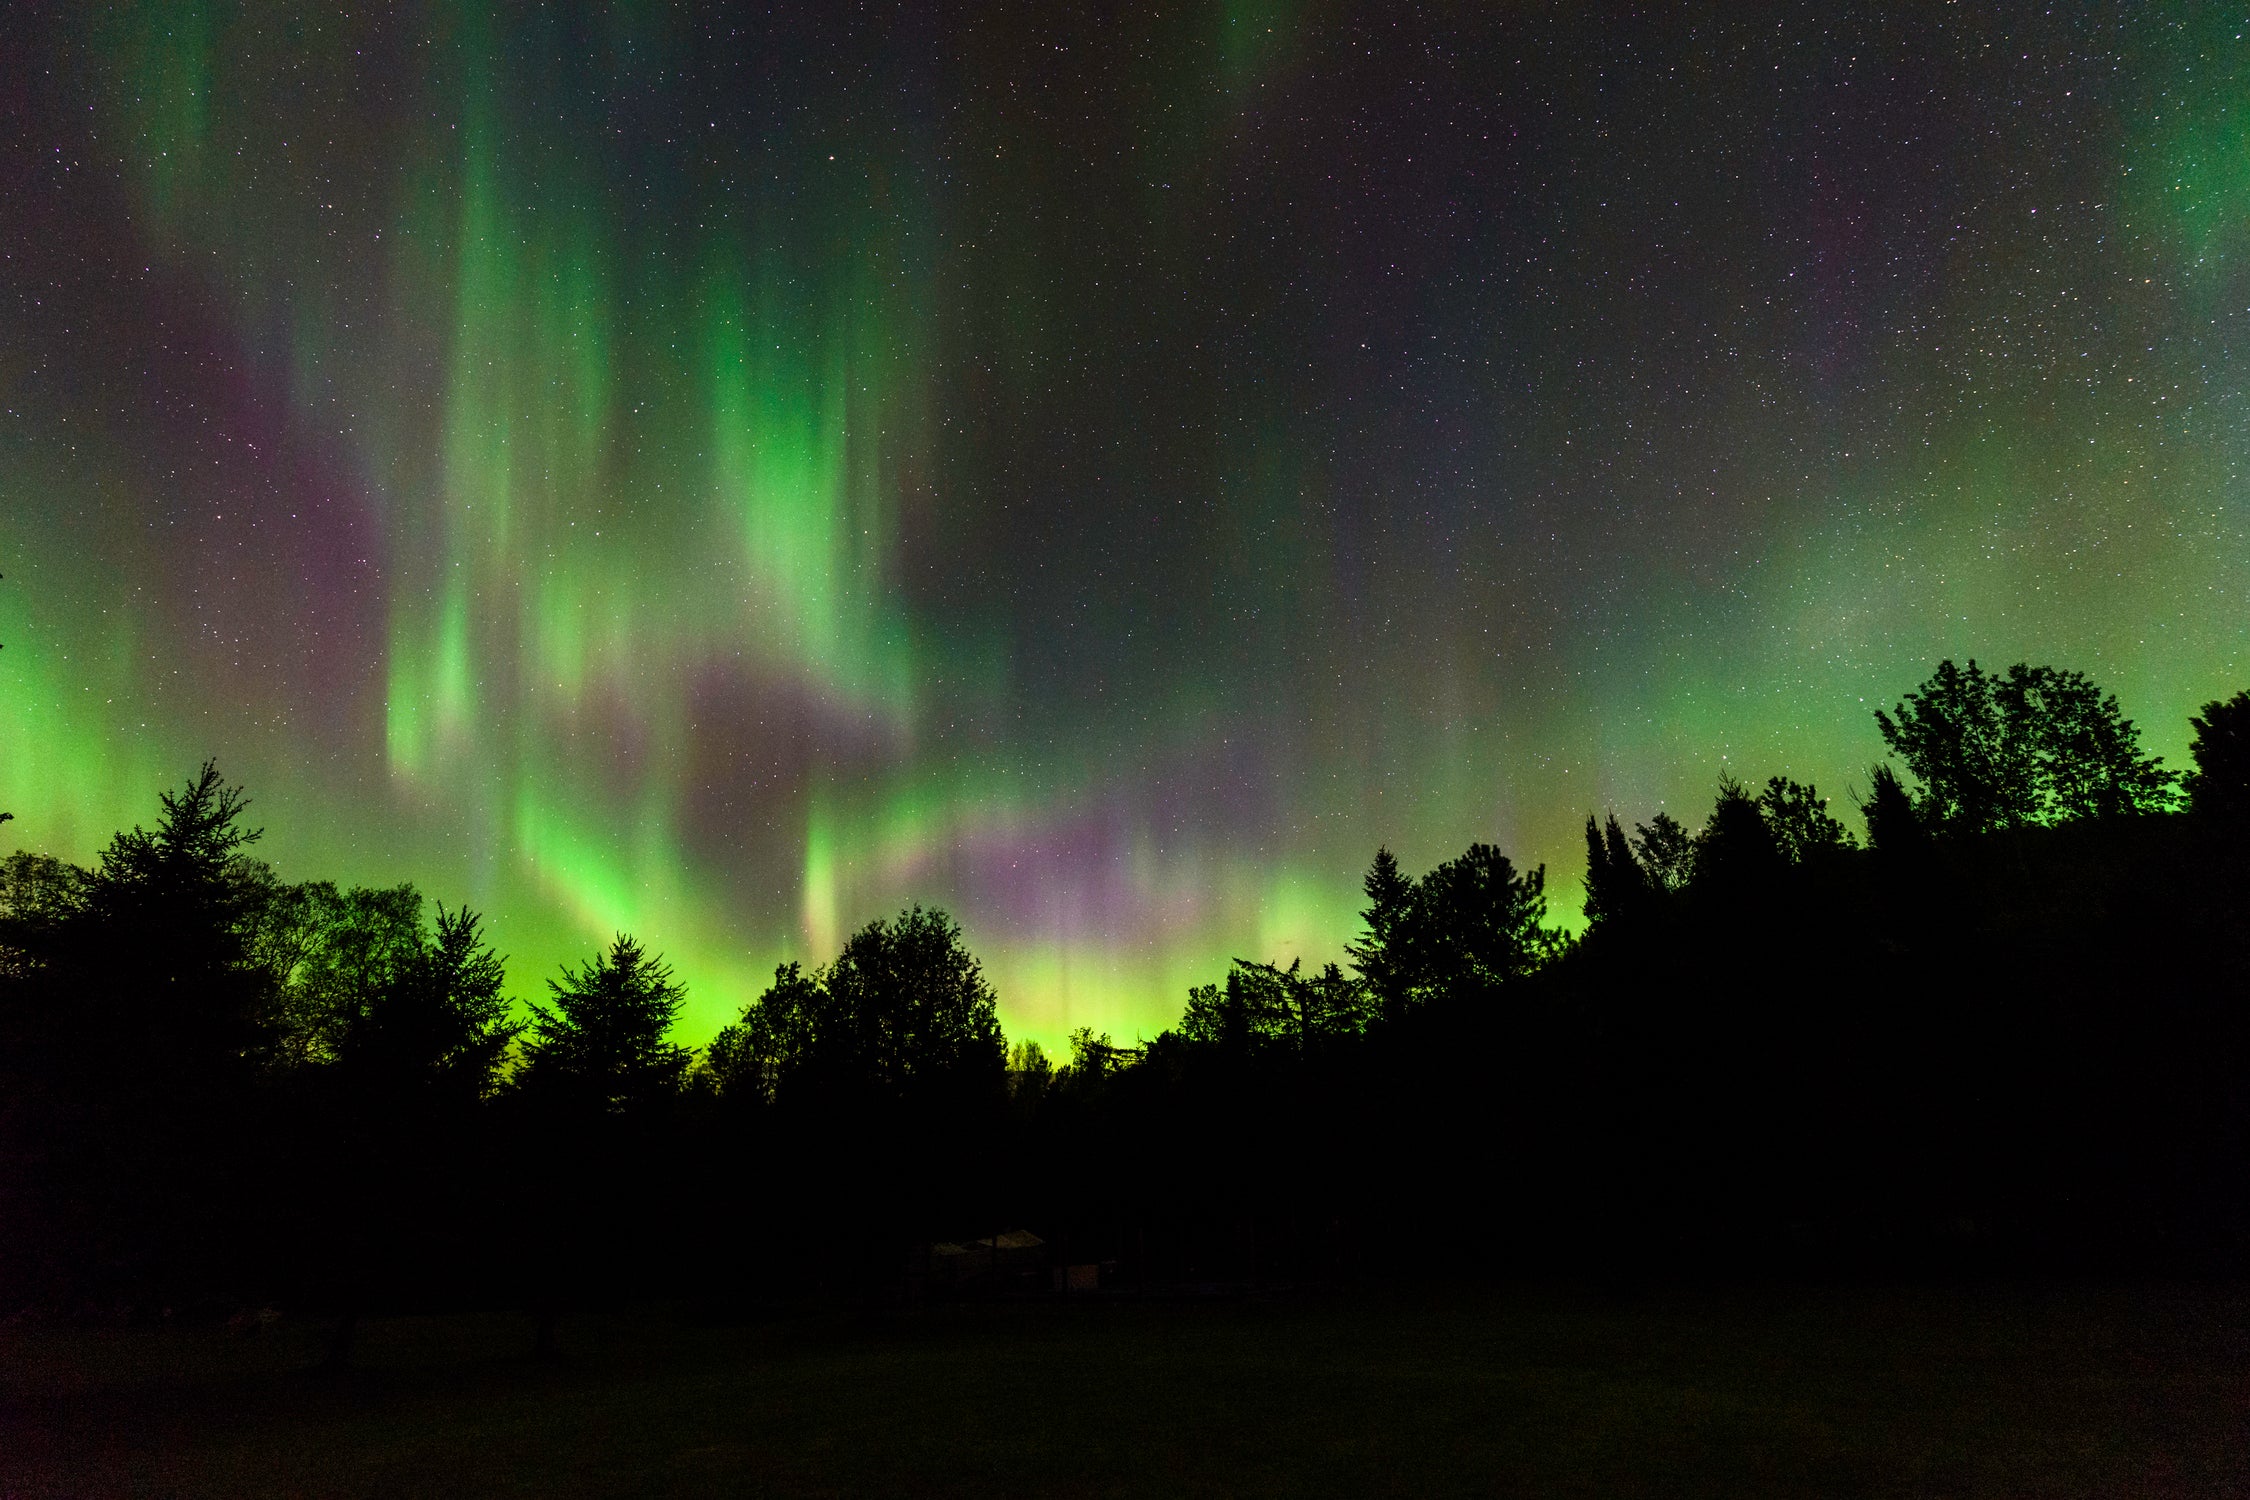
215 1078
871 1063
778 1039
2036 745
2218 788
1262 1008
1666 851
2089 758
903 1014
337 953
1798 818
1235 1019
916 1012
1978 768
38 895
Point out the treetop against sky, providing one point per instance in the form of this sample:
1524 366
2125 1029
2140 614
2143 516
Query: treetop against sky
726 475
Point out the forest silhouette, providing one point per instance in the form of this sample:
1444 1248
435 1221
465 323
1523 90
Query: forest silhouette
2002 1030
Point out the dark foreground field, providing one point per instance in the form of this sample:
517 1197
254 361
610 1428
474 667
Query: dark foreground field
2022 1391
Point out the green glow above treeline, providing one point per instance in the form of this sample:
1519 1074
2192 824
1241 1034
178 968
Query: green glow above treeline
628 472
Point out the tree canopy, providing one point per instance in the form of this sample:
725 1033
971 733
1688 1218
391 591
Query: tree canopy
2219 786
200 1060
2034 745
605 1043
903 1013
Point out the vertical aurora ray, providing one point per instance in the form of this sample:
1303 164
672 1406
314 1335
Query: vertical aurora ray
725 476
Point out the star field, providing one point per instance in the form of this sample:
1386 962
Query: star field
724 474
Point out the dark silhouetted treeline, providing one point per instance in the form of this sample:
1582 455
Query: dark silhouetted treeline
2001 1026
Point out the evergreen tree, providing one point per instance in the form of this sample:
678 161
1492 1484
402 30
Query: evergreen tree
605 1045
1893 824
1381 957
1735 847
137 1026
166 929
1616 885
439 1025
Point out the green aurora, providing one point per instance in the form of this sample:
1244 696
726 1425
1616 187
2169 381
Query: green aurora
724 480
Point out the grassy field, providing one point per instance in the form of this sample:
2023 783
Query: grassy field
2016 1392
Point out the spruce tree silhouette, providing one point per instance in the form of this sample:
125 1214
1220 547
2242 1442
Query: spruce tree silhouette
1616 885
595 1087
1736 848
438 1029
604 1046
152 1025
414 1027
1893 824
170 906
213 1085
1381 957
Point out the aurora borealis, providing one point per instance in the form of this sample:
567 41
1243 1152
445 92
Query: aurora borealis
1099 469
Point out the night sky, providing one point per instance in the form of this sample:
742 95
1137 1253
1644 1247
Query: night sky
1101 469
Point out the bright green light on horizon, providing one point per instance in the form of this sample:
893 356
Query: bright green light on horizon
705 478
